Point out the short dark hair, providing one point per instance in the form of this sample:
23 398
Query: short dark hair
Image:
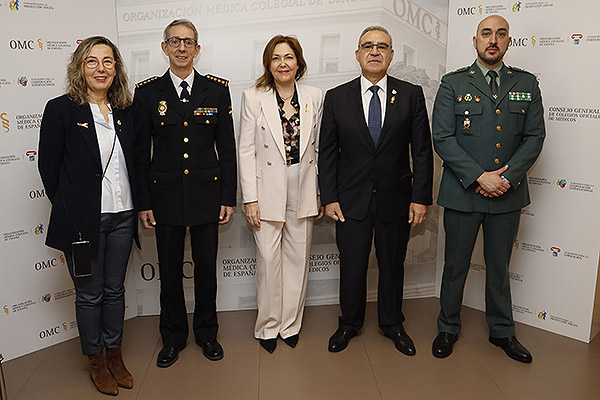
266 80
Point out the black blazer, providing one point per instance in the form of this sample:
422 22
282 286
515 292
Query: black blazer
352 167
192 169
71 171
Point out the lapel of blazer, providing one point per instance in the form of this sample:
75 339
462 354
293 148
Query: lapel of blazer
199 94
268 103
355 96
84 121
391 99
169 94
507 82
477 79
305 112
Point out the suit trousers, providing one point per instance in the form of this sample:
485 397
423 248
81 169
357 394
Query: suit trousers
170 240
499 234
100 298
354 240
282 253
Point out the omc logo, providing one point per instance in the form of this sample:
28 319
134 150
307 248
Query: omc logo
543 315
561 183
39 229
462 11
576 38
47 333
519 42
47 264
22 80
46 298
5 308
516 7
5 122
555 251
14 5
16 44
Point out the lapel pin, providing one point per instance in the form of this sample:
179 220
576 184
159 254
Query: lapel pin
84 124
392 99
477 99
118 122
468 97
162 108
471 72
394 91
459 98
495 96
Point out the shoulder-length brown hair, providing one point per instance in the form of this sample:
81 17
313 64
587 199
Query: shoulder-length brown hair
266 80
118 95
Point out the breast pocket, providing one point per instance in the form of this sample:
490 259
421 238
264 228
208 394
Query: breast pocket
163 121
206 120
518 112
468 119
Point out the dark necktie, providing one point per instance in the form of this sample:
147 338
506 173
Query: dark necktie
374 122
185 95
493 84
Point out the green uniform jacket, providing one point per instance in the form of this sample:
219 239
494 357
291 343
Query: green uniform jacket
474 133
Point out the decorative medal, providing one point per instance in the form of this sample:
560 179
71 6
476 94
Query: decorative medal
162 108
466 124
468 97
477 99
459 98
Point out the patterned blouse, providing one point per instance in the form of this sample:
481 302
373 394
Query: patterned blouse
291 129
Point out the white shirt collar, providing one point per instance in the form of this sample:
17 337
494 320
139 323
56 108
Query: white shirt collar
365 84
177 81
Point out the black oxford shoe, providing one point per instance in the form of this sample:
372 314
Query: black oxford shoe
167 356
402 341
512 348
211 349
340 339
442 344
291 341
269 344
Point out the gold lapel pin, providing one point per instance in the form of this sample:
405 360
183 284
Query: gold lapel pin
394 91
392 99
84 124
118 122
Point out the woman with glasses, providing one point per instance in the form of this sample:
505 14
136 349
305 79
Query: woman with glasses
278 173
86 165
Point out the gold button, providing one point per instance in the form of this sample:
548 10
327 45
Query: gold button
269 163
207 122
498 128
498 111
162 124
460 180
185 155
523 110
185 123
498 145
185 171
496 161
186 139
266 146
216 178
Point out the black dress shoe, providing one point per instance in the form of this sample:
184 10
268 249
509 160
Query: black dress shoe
442 344
291 341
340 339
402 341
211 349
512 348
268 344
167 356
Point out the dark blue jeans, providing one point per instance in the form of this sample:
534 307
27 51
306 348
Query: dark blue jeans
100 298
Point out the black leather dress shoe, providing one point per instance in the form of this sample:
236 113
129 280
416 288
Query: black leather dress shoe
340 339
402 341
442 344
512 348
268 344
211 349
291 341
167 356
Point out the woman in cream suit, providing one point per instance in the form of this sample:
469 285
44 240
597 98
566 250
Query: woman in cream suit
278 172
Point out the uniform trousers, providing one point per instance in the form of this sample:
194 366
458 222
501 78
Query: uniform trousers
354 240
170 240
100 298
282 253
499 234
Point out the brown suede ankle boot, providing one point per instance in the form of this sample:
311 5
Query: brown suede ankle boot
118 369
101 377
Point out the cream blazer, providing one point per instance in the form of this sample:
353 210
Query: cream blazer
261 153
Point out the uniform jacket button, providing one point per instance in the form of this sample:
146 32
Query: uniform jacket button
185 123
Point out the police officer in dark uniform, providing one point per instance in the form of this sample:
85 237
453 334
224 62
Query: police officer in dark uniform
488 128
186 161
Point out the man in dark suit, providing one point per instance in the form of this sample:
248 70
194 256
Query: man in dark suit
488 127
188 180
370 128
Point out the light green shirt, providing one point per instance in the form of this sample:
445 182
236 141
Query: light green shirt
485 70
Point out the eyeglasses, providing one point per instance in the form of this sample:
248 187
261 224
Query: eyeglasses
92 63
368 46
174 42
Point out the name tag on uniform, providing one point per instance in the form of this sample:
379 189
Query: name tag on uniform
519 96
205 111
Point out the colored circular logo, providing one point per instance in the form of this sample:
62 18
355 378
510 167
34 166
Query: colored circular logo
561 183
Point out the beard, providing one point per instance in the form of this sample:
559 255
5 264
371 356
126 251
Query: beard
491 59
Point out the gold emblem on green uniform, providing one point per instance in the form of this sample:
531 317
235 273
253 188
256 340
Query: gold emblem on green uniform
162 108
477 99
468 97
466 124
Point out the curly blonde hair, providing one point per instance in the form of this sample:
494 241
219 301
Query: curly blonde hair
118 94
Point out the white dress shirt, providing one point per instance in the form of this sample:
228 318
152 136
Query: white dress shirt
177 82
365 84
116 192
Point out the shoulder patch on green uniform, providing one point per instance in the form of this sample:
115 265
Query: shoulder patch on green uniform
220 81
517 69
145 82
454 71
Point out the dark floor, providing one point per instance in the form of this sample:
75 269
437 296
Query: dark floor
370 368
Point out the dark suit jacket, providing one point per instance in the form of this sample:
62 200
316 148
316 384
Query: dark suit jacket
192 169
351 166
474 133
71 170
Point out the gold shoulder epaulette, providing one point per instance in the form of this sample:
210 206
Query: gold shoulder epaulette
220 81
145 82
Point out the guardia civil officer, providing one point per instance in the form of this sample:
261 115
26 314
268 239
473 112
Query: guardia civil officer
488 127
188 180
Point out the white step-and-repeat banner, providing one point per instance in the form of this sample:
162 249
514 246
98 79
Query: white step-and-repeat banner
555 259
36 293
